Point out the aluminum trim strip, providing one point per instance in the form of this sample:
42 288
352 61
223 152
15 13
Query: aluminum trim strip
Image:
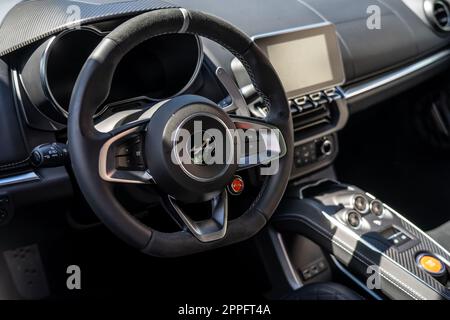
370 85
290 30
20 178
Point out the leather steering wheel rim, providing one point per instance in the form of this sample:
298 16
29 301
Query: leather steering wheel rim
92 88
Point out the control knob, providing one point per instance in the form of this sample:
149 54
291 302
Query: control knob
326 147
354 219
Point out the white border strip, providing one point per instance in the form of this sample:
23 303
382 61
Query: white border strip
357 90
20 178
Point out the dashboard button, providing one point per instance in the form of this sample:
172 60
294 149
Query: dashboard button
431 264
399 239
330 92
236 187
326 147
316 96
301 101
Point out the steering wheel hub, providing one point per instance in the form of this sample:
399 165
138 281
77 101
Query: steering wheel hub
191 149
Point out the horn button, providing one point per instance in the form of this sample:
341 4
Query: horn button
190 150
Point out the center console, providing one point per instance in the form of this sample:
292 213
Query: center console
369 239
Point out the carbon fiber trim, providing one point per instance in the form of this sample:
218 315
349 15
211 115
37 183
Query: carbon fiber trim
407 258
32 21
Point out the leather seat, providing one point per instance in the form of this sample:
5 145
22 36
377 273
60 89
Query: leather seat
324 291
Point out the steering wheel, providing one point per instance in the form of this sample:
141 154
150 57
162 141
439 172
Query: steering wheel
163 126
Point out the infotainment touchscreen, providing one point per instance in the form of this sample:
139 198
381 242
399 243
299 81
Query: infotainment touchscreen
306 60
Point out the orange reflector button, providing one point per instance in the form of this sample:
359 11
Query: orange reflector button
236 186
431 264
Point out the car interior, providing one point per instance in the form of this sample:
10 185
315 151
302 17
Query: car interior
344 198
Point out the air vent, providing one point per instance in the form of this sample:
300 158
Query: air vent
438 14
312 119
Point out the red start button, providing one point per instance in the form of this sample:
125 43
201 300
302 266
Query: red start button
236 186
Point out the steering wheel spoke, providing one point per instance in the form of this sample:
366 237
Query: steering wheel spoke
122 158
259 143
207 230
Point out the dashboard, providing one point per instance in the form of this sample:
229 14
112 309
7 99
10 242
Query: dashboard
410 30
330 63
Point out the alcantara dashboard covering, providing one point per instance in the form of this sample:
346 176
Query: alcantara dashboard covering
403 36
30 21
